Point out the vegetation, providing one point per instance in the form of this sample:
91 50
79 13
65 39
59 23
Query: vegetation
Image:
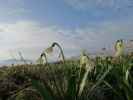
84 79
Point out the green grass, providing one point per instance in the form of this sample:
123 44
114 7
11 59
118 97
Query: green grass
111 80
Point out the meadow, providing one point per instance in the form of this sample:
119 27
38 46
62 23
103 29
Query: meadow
108 78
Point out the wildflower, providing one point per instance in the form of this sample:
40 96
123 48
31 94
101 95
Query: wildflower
87 62
119 48
83 59
89 67
61 51
49 50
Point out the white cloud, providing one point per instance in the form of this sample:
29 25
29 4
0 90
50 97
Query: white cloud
31 37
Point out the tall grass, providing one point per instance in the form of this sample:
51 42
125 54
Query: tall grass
83 79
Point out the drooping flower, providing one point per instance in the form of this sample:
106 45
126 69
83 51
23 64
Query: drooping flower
119 48
49 50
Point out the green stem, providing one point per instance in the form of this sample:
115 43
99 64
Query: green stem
44 55
61 50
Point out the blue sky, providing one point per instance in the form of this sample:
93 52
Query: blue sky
31 25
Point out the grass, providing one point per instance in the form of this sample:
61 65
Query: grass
108 79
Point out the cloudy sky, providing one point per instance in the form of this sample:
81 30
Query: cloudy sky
30 26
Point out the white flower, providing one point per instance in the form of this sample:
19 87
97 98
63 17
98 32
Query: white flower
86 62
89 65
49 50
119 47
83 60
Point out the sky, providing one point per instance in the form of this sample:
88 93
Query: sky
30 26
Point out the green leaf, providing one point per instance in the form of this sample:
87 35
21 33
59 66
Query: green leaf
43 90
101 79
71 89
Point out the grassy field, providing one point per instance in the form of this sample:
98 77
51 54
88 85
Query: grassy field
110 79
99 78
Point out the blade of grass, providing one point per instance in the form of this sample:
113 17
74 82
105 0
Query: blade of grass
100 80
71 89
43 90
114 90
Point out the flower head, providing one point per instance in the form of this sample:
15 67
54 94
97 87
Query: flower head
86 61
89 66
119 48
49 50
